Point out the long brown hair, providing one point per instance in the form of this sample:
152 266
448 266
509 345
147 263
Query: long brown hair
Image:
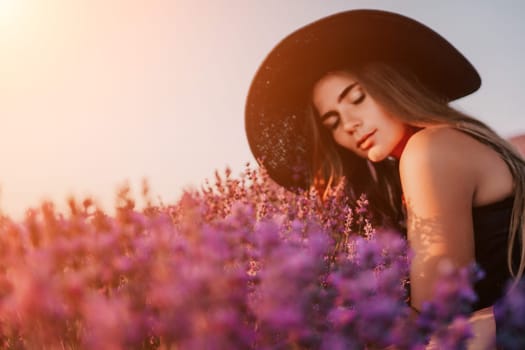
402 94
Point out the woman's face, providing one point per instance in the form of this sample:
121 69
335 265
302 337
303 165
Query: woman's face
355 120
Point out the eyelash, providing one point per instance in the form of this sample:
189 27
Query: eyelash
359 99
333 126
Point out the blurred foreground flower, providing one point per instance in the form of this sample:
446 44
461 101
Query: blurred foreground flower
510 315
240 264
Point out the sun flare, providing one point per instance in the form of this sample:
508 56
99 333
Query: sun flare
7 8
8 13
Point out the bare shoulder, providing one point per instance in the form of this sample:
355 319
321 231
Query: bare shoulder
437 138
442 149
457 161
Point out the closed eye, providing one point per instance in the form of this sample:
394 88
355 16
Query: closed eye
356 96
359 99
332 122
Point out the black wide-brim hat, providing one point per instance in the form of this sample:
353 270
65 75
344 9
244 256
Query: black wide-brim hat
281 89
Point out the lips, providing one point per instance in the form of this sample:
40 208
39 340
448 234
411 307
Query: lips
362 140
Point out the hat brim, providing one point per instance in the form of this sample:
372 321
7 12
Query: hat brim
280 90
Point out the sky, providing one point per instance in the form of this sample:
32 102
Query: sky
95 94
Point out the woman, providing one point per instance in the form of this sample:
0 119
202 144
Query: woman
364 94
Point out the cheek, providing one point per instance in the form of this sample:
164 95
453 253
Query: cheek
399 134
343 139
394 129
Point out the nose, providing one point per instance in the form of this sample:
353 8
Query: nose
350 124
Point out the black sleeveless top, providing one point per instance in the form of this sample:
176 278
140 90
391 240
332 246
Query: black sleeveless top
491 230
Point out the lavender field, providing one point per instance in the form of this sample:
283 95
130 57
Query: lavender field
238 264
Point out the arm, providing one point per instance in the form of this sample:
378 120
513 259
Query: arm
438 182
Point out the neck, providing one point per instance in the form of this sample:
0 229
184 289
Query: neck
410 130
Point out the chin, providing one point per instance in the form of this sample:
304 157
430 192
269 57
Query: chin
375 155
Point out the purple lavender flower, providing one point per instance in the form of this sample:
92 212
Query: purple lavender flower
510 317
239 264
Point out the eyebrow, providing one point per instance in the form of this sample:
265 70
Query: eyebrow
341 96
